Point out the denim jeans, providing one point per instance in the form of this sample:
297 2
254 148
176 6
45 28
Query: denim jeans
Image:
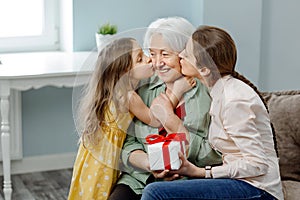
203 189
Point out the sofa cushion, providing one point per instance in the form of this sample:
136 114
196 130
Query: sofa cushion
291 190
284 108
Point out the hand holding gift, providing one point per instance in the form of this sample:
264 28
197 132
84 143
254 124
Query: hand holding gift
163 151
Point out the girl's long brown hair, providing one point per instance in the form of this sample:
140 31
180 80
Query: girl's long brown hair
215 49
113 63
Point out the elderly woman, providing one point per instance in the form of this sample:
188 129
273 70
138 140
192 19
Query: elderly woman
165 39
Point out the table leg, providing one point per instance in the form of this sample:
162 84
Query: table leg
5 142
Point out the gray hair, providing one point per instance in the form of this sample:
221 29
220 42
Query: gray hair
175 31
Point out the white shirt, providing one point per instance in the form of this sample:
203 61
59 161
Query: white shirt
240 129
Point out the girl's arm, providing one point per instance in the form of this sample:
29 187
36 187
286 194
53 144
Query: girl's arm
138 108
142 112
162 109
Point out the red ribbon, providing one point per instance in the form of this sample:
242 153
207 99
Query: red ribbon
154 138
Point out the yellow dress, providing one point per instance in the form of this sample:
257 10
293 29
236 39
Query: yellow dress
96 166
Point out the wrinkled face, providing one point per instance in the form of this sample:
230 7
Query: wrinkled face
165 61
141 64
188 61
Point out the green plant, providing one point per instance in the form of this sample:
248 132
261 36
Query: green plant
108 29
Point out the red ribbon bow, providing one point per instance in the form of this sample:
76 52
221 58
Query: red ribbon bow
155 138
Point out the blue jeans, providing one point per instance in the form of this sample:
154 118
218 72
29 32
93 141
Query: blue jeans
203 189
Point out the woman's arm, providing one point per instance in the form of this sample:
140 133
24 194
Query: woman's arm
188 169
239 120
133 144
139 159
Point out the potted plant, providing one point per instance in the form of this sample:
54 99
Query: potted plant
104 34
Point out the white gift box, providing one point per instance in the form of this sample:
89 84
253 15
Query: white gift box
163 152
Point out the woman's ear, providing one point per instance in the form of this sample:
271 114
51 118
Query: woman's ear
204 71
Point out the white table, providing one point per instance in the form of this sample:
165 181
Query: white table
35 70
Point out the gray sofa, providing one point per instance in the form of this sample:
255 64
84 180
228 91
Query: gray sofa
284 108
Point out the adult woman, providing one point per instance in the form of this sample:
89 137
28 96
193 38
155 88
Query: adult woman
240 129
165 38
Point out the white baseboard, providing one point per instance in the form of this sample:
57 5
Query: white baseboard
41 163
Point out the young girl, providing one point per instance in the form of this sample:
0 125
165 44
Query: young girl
106 110
105 118
240 129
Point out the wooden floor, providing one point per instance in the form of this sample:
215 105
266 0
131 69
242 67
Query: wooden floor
50 185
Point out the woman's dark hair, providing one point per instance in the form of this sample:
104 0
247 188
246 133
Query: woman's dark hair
215 49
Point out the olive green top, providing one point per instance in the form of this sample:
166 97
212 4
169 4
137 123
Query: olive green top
197 120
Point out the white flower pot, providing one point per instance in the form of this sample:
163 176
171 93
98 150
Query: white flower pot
102 40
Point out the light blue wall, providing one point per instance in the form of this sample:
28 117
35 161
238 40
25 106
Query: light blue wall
47 122
132 14
242 19
280 60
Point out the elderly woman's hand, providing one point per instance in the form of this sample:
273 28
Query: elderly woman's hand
165 175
